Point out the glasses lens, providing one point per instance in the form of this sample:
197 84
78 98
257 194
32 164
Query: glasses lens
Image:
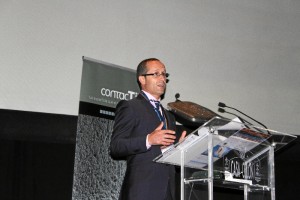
163 74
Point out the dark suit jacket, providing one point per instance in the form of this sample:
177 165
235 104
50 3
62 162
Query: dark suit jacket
144 179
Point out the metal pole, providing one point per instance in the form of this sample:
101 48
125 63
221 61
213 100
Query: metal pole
210 164
271 172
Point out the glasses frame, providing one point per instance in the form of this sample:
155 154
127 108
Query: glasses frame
156 74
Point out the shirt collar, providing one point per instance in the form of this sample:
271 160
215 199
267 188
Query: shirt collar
150 97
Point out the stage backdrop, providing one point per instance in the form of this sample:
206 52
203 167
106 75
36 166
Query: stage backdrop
103 85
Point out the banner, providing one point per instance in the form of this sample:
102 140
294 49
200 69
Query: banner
103 85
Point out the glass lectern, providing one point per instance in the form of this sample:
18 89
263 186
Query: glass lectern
229 154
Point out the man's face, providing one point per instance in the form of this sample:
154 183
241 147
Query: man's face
156 86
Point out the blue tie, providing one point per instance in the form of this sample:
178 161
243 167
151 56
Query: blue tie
156 108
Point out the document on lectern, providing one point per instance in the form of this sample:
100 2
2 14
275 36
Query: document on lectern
196 142
173 154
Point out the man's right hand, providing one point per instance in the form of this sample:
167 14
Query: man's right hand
161 137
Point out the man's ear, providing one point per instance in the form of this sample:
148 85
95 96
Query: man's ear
142 80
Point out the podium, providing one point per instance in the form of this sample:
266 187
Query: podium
228 154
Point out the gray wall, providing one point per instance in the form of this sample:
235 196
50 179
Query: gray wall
96 175
245 53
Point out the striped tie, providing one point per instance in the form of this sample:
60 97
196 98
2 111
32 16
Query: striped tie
156 108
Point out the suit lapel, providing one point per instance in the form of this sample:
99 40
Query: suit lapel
151 110
149 107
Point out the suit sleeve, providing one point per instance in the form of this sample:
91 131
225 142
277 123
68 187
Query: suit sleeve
124 140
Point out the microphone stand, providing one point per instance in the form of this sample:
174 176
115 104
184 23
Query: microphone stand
223 105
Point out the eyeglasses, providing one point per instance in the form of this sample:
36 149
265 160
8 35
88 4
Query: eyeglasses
156 75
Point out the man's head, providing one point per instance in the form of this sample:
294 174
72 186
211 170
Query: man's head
152 77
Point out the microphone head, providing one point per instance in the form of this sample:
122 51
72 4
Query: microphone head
223 105
221 110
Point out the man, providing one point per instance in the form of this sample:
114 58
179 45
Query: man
141 132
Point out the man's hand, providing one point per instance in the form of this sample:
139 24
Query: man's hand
161 137
183 134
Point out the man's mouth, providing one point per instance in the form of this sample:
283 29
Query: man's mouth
161 85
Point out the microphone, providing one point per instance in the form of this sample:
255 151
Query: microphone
177 95
221 110
223 105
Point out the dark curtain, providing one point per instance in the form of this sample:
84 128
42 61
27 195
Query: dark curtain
36 155
35 171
